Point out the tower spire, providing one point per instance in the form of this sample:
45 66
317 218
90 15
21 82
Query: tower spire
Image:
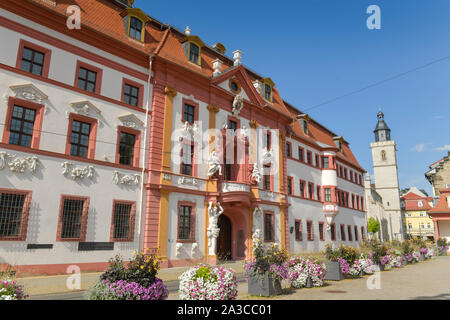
382 131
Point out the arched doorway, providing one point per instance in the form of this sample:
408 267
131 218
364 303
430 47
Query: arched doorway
224 239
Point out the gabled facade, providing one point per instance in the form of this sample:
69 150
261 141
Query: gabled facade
197 160
441 215
416 221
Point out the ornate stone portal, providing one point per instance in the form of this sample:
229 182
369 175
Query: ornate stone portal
214 211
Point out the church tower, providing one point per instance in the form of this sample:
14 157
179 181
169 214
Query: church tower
385 171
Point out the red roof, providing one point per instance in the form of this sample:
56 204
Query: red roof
443 206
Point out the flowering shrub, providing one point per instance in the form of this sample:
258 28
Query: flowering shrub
424 250
299 269
355 269
10 290
136 281
430 253
409 257
204 282
345 268
267 259
396 261
416 256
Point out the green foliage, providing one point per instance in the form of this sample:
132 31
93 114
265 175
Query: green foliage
442 242
205 273
373 225
267 255
100 291
376 249
407 247
8 273
350 254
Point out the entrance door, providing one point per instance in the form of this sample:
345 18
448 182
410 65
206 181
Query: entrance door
224 239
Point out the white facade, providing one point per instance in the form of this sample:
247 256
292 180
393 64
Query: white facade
98 178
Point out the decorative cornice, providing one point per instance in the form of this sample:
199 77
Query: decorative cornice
131 121
171 92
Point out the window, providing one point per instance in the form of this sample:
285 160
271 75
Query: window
345 173
79 139
184 222
363 234
33 58
311 190
300 154
356 233
22 124
14 210
189 113
73 219
123 221
342 232
353 201
298 230
268 227
232 125
317 161
88 77
309 230
126 148
187 159
327 193
420 204
318 193
428 225
194 53
131 95
321 231
288 149
333 232
309 157
268 92
87 80
302 189
340 172
304 124
362 203
289 185
267 185
32 61
135 28
325 162
409 225
350 237
268 140
351 175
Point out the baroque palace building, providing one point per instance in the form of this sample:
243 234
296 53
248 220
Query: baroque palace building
130 134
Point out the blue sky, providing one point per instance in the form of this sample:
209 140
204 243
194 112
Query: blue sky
318 50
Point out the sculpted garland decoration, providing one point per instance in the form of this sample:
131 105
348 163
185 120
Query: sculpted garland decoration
18 164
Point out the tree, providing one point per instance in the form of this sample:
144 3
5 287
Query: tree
373 225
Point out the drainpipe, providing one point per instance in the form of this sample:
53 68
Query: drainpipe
144 156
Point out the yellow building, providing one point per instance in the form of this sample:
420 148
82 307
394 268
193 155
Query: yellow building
416 222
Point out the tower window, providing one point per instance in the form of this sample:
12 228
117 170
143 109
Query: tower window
194 53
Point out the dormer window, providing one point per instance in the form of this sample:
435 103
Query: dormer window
135 20
194 52
268 92
338 142
135 30
303 120
268 89
192 47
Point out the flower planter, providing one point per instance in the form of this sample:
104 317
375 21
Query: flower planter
309 283
333 271
404 261
263 285
379 267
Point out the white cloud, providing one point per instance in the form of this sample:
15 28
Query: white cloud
444 148
438 117
419 147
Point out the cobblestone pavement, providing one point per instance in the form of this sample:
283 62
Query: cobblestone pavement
426 280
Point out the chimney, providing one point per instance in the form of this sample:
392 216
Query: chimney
237 56
217 66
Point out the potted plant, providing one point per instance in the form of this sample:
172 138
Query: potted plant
136 281
442 246
423 253
333 267
10 290
266 270
304 273
203 282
